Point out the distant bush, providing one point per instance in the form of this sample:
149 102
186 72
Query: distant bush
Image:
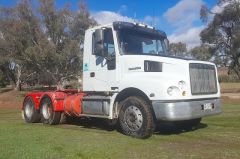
2 84
73 84
38 88
3 80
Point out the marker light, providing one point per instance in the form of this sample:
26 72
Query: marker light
184 93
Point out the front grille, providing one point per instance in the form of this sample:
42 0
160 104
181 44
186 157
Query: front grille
203 79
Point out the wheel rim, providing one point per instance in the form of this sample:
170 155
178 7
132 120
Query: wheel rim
46 111
28 110
133 118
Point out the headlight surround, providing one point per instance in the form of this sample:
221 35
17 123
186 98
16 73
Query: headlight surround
173 91
182 84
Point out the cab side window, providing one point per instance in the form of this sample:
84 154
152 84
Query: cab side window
108 42
108 47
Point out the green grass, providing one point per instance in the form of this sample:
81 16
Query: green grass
216 137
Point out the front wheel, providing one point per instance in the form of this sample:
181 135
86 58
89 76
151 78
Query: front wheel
48 115
135 118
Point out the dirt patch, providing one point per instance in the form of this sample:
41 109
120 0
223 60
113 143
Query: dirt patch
231 95
11 99
231 98
227 99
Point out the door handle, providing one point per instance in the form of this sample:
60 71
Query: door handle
92 74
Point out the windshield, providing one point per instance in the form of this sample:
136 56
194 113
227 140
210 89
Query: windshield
137 43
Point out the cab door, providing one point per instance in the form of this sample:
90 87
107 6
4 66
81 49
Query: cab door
101 71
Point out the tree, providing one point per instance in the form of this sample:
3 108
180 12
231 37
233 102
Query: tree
43 45
20 31
178 49
3 79
202 52
65 31
223 34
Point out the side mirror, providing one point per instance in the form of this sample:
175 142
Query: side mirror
166 42
98 43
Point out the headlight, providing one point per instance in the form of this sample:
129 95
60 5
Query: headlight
173 90
182 84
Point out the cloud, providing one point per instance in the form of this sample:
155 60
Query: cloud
104 17
183 17
184 14
190 37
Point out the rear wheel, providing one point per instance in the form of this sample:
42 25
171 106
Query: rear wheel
135 118
30 114
48 115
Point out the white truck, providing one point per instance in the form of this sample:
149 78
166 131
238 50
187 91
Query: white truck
129 77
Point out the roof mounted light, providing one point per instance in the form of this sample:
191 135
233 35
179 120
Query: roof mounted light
151 27
138 27
145 25
141 24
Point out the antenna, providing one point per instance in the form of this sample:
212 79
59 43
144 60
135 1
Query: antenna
135 12
153 19
135 17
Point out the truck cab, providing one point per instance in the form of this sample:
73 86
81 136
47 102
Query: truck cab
129 77
127 57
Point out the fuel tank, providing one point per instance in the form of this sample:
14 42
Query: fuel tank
73 104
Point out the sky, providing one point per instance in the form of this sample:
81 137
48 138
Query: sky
180 19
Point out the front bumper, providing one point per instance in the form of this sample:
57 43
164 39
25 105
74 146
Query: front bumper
185 110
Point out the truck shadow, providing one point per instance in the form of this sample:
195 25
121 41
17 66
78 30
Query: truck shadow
166 128
90 123
173 129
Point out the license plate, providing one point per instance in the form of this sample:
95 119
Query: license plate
208 106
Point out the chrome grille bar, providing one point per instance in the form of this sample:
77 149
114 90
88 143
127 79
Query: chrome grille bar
203 79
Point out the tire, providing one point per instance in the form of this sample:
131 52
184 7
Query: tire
30 114
135 118
48 115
